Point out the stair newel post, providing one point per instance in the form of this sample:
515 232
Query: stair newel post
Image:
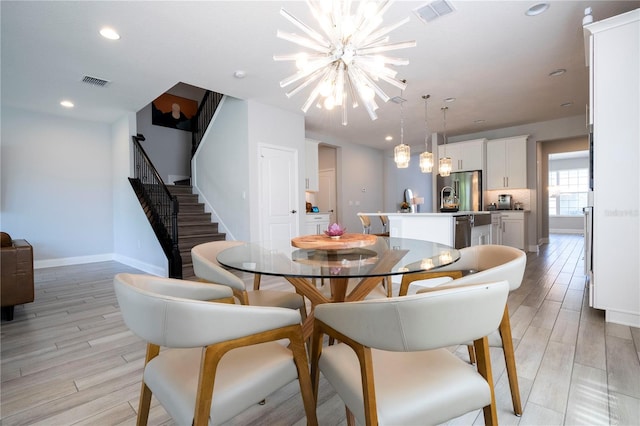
176 259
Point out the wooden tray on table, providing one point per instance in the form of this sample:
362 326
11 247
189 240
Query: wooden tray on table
324 242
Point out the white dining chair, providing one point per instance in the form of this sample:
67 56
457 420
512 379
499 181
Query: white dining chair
482 264
217 359
207 268
392 367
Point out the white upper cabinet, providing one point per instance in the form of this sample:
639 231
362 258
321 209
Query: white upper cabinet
507 163
465 156
311 181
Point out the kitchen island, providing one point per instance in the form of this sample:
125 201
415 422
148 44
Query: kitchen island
456 229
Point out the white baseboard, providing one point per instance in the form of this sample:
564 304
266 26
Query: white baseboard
623 318
80 260
566 231
66 261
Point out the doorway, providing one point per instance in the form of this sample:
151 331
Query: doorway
327 196
278 170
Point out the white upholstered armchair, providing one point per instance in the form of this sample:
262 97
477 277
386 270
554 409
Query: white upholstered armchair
218 359
391 366
482 264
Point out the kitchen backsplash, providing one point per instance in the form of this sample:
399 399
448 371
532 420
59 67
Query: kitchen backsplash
517 195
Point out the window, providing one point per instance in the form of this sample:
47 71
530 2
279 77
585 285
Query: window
568 191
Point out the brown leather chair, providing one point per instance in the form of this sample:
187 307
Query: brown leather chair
17 274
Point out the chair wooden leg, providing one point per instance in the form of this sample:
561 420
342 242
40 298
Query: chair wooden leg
472 354
510 361
304 378
484 368
351 420
145 393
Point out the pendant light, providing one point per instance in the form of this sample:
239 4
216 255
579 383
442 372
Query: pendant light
402 152
444 165
426 158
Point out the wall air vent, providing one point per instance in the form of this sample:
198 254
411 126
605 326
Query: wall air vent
95 81
433 10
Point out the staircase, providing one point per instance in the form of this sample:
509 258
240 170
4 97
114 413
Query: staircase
194 226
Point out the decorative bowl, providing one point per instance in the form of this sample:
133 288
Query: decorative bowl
335 231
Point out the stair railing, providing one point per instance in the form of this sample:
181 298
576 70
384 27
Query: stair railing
160 206
203 117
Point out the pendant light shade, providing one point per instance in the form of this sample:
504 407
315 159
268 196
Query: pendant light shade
426 162
426 158
444 165
402 152
402 155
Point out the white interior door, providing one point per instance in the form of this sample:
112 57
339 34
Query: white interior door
326 197
278 193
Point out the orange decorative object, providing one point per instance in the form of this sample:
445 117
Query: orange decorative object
323 242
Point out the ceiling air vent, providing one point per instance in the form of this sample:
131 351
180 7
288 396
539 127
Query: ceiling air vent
434 10
95 81
398 99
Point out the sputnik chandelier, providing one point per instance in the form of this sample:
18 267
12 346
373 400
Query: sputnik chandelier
345 63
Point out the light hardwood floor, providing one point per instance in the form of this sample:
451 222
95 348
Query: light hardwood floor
68 359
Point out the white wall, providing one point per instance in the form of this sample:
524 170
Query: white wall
169 149
57 186
273 126
400 179
135 243
359 167
221 169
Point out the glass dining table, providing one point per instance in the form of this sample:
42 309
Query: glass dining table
362 258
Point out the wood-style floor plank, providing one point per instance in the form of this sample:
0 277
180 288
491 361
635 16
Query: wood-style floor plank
68 359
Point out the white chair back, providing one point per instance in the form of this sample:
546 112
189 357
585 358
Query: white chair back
206 266
162 311
490 263
421 322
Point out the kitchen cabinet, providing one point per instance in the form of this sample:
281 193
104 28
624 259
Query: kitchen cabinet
514 229
614 66
312 180
465 156
316 223
496 228
507 163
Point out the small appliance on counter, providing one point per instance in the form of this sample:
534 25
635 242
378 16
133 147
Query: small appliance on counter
518 205
505 202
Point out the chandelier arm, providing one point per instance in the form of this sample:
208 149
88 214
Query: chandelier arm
386 47
304 27
339 86
310 79
395 82
302 41
382 32
368 105
372 84
373 68
312 97
371 22
352 92
313 67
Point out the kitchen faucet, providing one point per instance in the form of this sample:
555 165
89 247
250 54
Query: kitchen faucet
442 195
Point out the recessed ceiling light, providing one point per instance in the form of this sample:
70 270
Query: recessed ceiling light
109 33
557 72
449 99
388 138
479 121
537 9
67 104
566 104
239 74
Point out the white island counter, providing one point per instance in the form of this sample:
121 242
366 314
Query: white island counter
441 227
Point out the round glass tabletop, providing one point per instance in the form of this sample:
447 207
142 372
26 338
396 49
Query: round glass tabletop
378 256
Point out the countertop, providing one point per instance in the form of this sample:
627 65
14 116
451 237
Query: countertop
452 214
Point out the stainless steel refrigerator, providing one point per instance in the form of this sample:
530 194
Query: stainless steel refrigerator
466 186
